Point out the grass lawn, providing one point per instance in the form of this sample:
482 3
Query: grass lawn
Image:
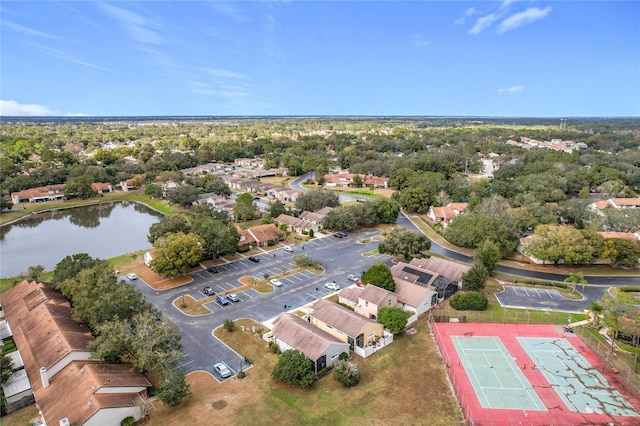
404 384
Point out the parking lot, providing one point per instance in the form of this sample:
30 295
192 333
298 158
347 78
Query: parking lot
339 256
537 298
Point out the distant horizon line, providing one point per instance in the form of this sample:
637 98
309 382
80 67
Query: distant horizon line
80 117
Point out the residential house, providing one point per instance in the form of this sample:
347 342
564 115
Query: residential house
260 236
252 163
446 213
629 236
317 217
363 334
39 194
625 203
128 185
423 283
68 386
292 332
297 225
101 187
346 179
202 169
372 298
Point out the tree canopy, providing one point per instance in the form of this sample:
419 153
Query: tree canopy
393 318
176 253
402 242
379 275
294 368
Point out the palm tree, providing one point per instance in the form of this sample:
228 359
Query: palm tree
574 279
438 226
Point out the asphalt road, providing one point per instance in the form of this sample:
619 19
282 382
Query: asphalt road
340 257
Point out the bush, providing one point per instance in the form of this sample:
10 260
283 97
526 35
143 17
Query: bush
346 373
242 375
311 233
294 368
243 249
343 356
273 347
469 301
128 421
229 325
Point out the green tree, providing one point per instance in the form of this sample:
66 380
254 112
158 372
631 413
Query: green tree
276 208
153 190
357 181
379 275
346 372
294 368
113 341
476 277
98 296
488 253
219 238
416 200
79 186
245 209
5 204
621 252
387 211
198 211
33 272
6 368
393 318
229 325
168 225
174 389
184 195
406 243
317 199
71 265
341 218
574 279
176 253
155 344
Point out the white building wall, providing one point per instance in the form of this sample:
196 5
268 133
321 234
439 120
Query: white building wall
70 357
112 416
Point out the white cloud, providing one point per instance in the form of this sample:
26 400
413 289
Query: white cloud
14 109
60 54
418 40
483 23
228 10
513 90
139 28
226 74
28 31
469 12
528 16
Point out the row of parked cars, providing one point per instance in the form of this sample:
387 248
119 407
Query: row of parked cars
221 299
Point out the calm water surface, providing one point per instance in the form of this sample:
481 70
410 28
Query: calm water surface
103 231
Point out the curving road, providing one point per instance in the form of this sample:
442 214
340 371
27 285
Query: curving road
344 198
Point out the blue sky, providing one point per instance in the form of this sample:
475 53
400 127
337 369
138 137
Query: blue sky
509 58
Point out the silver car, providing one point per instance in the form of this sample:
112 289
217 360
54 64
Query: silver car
222 369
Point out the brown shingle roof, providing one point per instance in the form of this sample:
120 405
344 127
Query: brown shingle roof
374 294
446 268
340 318
264 233
411 294
302 335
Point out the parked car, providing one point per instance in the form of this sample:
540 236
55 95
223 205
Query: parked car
222 300
222 369
212 269
352 277
288 249
132 276
208 291
340 234
233 297
332 286
254 259
276 282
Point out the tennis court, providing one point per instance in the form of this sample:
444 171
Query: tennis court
576 381
494 374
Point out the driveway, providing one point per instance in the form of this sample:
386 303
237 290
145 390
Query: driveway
340 257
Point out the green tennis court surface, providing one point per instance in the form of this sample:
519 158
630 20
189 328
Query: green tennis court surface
581 387
494 375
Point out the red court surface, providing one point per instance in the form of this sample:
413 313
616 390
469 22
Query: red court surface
556 413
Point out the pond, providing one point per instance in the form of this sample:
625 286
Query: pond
101 230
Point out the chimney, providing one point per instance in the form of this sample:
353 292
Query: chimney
45 377
64 422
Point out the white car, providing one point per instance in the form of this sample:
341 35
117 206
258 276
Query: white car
276 282
332 286
288 249
132 276
353 278
222 369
